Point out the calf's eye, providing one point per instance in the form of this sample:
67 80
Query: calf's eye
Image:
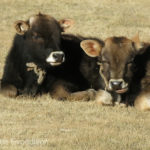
130 62
104 62
36 37
99 63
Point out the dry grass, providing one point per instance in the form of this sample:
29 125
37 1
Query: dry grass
43 123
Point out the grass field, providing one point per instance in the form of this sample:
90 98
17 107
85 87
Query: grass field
46 124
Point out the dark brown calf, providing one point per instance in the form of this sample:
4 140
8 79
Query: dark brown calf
38 40
116 59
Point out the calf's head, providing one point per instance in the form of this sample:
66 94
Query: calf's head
42 37
115 57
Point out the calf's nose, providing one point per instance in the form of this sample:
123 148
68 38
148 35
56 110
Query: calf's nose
58 56
116 85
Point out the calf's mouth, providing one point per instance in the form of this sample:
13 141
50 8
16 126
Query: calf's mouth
121 91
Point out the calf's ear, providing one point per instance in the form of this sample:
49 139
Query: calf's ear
91 47
66 23
21 27
139 46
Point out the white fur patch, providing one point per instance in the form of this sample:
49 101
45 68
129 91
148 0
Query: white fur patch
148 102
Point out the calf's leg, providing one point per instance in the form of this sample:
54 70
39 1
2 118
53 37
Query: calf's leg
63 90
8 90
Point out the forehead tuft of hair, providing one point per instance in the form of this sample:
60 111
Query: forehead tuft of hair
40 14
118 40
34 18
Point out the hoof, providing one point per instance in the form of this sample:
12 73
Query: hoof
83 95
104 98
9 91
120 104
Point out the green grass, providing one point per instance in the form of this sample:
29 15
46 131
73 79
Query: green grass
47 124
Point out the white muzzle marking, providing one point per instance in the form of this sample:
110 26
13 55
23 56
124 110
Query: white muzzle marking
52 60
124 84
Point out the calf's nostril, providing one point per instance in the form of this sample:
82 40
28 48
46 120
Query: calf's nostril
58 57
55 55
116 84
